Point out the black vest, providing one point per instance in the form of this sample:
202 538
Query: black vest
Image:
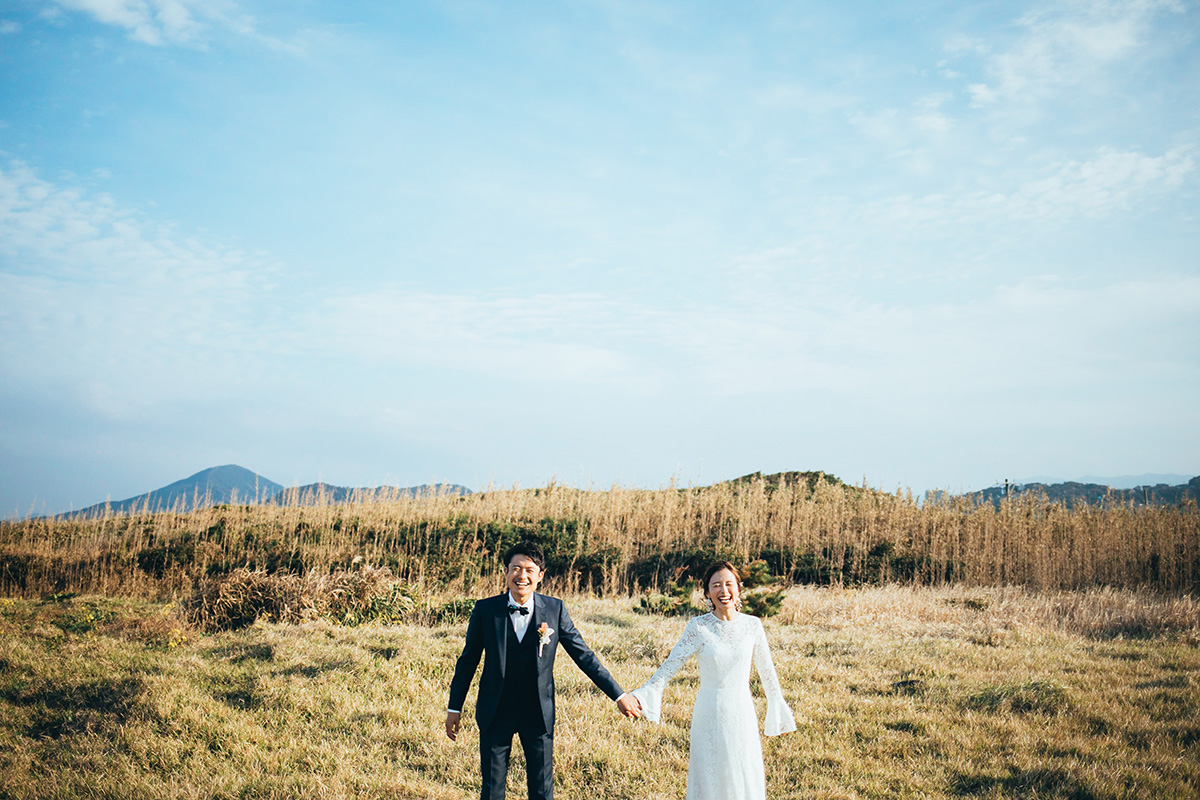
519 707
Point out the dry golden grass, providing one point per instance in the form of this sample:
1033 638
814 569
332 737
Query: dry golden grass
899 692
618 540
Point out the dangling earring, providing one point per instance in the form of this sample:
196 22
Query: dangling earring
737 603
708 603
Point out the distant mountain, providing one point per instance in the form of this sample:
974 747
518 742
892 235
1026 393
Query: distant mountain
1134 481
1115 481
325 494
214 486
1072 493
234 484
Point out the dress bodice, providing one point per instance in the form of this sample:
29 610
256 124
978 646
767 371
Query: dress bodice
724 650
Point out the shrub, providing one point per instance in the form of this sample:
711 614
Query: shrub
235 600
452 611
348 597
676 602
757 573
763 602
368 594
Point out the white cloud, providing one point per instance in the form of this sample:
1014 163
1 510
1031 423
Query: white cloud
98 296
1019 340
129 313
929 116
800 97
881 125
66 233
1063 46
1112 181
525 338
171 22
981 94
154 22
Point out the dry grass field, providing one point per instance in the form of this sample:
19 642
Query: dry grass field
900 692
940 650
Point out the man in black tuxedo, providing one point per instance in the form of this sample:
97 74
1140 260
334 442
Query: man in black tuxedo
520 632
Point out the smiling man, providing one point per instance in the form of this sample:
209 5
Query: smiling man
520 631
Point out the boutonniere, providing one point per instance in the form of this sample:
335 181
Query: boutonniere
544 634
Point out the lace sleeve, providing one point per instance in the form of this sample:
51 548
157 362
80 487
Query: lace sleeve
779 715
650 694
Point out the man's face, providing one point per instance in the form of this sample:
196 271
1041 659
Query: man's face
522 577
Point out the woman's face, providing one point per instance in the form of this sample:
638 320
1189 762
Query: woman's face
722 590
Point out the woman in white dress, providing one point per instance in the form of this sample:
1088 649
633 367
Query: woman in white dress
725 760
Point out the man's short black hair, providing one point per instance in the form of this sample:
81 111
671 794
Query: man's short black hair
529 549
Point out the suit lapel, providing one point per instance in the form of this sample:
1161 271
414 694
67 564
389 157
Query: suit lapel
535 619
502 625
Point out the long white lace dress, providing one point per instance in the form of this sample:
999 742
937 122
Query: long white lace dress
725 760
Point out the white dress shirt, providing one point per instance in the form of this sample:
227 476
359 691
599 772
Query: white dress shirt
520 622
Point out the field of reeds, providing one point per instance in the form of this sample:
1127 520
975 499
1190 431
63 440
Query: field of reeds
937 693
807 528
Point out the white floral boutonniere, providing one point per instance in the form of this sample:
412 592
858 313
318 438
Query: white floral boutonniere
544 634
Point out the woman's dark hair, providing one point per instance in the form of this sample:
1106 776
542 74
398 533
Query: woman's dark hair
529 549
716 567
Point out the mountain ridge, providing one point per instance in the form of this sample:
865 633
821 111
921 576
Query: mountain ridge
1074 492
232 483
1114 481
213 486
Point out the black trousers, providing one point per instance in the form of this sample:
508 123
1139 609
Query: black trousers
495 746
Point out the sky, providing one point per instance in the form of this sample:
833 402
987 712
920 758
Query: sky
601 242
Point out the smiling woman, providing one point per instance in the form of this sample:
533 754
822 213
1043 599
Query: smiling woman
722 587
725 760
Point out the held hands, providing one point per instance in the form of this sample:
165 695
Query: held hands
628 705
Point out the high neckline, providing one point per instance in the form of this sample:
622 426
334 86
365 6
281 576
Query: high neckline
736 614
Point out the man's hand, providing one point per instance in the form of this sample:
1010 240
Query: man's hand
628 705
453 718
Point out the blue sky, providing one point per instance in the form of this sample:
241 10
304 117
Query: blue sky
924 245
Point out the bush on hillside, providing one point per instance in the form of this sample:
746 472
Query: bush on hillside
763 602
675 602
348 597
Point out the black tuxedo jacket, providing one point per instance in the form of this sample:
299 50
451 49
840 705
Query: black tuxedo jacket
487 633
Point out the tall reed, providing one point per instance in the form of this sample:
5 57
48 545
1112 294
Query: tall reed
619 540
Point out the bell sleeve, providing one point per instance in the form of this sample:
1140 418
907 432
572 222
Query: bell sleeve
779 714
651 693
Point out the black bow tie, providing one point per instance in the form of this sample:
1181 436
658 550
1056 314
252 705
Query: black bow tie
515 609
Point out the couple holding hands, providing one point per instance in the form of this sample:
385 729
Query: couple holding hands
520 632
